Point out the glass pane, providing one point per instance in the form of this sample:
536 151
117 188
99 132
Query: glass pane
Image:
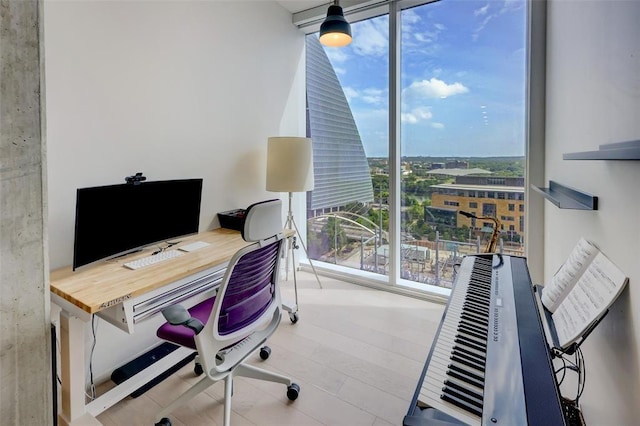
462 126
347 118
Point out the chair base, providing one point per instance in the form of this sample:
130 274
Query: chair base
242 370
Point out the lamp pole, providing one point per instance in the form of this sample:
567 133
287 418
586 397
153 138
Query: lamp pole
291 225
290 169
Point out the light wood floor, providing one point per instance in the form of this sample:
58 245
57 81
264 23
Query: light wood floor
355 352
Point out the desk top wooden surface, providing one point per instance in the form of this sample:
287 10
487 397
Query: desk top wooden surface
107 283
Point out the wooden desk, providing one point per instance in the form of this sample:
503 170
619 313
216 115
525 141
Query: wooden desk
109 286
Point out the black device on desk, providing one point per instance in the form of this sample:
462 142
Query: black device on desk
232 219
116 219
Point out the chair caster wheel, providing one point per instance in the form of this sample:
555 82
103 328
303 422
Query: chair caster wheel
293 390
293 316
197 369
164 422
265 351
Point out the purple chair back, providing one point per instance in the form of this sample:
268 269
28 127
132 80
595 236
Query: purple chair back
250 289
247 307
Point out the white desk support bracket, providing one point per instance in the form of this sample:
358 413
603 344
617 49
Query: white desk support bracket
73 379
73 320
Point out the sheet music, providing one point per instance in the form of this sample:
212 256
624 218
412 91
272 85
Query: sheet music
563 281
596 289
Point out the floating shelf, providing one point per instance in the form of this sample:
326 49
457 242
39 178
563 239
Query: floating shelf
612 151
568 198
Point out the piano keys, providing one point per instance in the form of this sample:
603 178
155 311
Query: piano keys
489 363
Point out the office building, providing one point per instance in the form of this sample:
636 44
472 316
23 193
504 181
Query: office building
502 198
341 169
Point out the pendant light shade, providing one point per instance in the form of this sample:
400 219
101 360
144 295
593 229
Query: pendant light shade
335 31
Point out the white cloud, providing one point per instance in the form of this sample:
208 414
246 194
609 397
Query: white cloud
434 88
373 116
373 96
422 39
370 38
408 118
437 125
423 113
350 93
410 17
410 21
426 36
511 5
482 11
337 55
507 6
482 26
416 115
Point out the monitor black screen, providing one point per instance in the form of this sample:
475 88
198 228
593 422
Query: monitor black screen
115 219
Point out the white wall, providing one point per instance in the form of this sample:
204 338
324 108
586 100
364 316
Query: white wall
173 90
593 98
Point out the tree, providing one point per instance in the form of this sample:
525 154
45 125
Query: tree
335 235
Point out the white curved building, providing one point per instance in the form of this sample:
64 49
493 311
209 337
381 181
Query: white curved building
341 169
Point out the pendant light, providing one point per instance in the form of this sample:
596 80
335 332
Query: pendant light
335 31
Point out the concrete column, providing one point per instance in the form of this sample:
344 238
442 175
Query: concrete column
25 349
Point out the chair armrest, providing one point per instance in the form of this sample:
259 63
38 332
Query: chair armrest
178 315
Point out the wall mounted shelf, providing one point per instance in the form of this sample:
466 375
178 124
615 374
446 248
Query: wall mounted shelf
611 151
567 198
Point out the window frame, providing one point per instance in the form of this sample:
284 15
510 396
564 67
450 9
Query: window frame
309 22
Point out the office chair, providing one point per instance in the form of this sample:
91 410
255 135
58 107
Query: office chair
245 311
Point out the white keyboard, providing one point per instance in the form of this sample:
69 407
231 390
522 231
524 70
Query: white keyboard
193 246
153 259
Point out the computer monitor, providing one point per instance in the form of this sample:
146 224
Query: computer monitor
117 219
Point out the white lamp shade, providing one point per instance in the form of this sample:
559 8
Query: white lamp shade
289 164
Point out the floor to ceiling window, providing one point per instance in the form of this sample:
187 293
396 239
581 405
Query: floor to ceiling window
460 102
347 210
462 126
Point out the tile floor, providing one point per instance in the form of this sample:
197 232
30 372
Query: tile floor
355 352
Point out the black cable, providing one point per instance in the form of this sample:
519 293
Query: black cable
562 369
582 374
93 346
168 245
578 365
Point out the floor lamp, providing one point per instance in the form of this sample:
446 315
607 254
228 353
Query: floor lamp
290 169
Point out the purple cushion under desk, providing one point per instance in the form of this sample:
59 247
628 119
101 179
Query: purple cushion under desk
183 335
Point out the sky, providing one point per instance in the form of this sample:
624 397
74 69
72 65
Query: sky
463 79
